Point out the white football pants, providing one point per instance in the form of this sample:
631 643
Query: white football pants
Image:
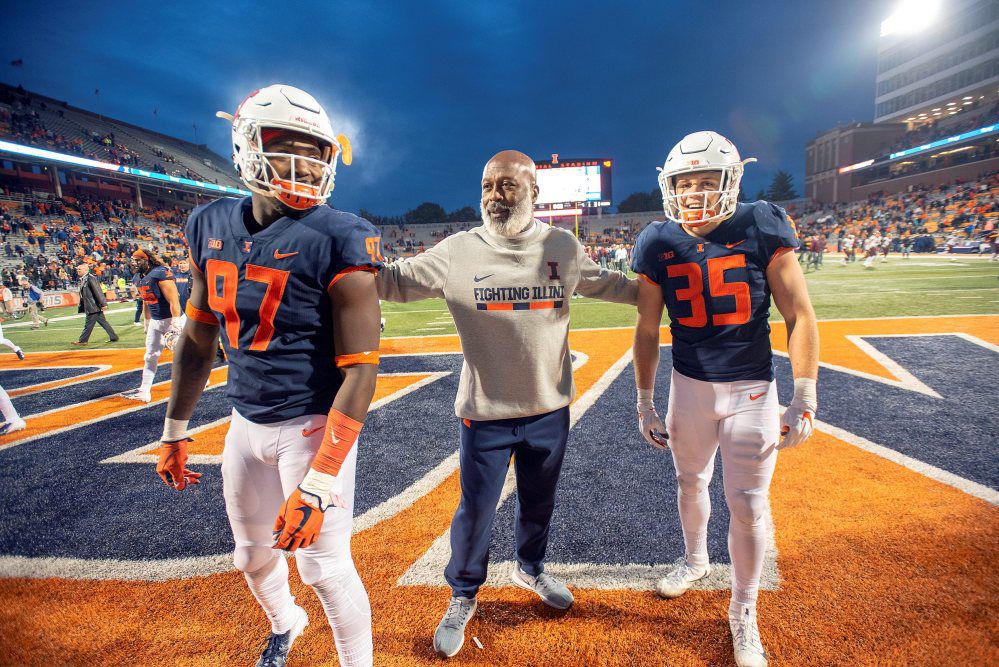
742 418
154 348
261 465
8 342
7 408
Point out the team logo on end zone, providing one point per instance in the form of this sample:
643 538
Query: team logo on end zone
82 534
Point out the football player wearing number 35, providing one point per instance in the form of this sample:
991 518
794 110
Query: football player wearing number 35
290 282
714 264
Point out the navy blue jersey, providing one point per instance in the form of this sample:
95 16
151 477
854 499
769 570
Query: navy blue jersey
716 292
269 293
183 281
152 295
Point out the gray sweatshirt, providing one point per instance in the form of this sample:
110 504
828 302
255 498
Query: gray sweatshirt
510 302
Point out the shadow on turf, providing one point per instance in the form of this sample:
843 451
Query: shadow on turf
697 639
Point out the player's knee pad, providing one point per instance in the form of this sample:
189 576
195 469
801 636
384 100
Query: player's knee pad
314 568
252 559
152 356
747 507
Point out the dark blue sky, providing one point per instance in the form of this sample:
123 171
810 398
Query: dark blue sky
428 91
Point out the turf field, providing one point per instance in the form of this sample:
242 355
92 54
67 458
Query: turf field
885 527
917 286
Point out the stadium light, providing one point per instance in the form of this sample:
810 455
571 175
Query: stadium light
988 129
854 167
62 158
558 213
910 16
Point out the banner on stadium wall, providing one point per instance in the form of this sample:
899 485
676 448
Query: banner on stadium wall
56 299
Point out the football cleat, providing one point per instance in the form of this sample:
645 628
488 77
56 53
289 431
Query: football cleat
278 646
681 579
138 395
551 591
12 426
746 638
450 634
20 353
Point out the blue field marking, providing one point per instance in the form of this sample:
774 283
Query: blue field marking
616 500
71 505
101 387
407 438
955 433
68 504
15 378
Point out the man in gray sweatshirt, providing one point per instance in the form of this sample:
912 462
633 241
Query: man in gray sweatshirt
507 284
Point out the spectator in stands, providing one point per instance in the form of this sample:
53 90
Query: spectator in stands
92 303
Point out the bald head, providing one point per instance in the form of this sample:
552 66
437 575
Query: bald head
509 190
512 161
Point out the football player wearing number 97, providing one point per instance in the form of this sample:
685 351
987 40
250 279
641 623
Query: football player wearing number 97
714 264
289 282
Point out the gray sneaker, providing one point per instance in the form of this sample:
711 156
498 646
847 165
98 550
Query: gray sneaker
551 591
450 634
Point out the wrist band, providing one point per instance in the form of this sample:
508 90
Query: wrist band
805 390
341 434
174 429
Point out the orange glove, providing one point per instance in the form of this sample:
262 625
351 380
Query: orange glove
301 517
172 465
299 522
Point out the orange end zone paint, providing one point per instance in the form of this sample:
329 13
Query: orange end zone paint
878 564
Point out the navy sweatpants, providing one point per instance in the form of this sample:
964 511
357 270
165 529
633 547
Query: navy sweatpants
537 445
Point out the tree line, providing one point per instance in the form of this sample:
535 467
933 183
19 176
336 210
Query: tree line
781 189
430 213
427 213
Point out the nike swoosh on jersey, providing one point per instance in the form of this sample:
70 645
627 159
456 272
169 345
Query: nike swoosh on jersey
307 432
753 398
732 245
478 279
284 255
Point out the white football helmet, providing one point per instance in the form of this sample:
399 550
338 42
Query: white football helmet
702 151
284 108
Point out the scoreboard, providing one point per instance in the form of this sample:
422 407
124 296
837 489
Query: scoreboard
573 186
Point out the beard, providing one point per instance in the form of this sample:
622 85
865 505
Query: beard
519 217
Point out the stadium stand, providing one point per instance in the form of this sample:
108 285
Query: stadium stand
44 235
32 119
964 211
44 239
